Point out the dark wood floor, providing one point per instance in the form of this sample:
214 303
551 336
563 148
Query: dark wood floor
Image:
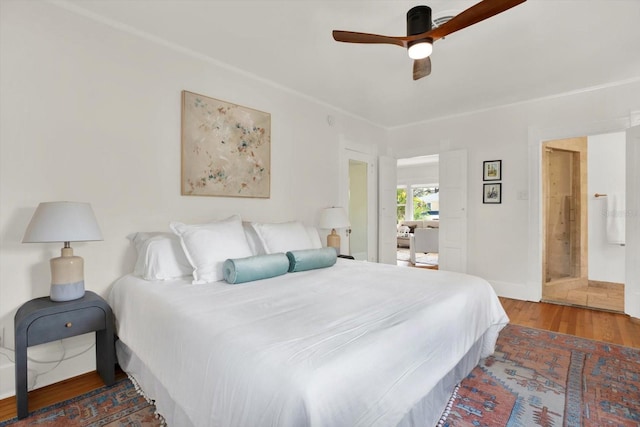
605 326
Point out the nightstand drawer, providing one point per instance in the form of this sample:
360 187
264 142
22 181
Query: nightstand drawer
63 325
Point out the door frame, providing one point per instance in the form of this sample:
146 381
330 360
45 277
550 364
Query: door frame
532 290
347 154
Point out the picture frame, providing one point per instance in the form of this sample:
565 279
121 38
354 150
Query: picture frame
492 170
492 193
226 149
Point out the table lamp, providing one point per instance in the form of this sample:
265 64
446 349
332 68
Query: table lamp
334 217
64 222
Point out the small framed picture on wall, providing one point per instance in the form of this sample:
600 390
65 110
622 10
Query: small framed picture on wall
492 193
492 170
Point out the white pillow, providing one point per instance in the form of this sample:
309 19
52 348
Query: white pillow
285 236
207 246
314 237
160 256
252 239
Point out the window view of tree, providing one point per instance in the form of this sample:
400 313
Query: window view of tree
425 202
401 203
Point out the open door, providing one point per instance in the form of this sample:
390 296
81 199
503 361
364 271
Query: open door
359 209
387 216
452 254
632 225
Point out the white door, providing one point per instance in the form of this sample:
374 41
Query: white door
387 217
452 253
632 225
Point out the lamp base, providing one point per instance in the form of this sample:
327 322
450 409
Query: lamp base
333 240
67 276
67 292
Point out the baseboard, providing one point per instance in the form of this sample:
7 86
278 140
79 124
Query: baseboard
519 291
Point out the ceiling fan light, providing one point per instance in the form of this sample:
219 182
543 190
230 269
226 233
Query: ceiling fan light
420 49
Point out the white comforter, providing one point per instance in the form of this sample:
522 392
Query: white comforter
357 344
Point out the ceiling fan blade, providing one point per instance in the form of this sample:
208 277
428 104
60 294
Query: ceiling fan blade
421 68
351 37
477 13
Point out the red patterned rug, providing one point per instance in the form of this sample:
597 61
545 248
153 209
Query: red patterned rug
535 378
116 406
541 378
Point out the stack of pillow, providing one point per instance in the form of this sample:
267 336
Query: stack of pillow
229 249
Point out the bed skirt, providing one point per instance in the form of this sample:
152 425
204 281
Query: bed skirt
426 412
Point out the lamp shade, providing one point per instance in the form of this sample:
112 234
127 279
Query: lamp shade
334 217
62 222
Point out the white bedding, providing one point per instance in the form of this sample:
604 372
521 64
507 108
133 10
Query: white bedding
356 344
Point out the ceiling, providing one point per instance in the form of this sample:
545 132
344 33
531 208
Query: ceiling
537 49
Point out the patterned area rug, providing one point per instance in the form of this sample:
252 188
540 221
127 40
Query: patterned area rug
535 378
541 378
116 406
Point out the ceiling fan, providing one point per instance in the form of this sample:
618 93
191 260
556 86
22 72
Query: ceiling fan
420 34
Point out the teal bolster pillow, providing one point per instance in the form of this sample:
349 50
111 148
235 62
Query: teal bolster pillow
256 267
310 259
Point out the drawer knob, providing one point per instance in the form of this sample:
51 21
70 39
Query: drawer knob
68 325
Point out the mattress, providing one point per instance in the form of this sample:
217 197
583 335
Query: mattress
356 344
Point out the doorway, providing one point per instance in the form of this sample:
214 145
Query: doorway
358 194
417 205
566 222
565 256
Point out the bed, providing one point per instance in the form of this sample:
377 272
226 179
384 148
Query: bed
354 344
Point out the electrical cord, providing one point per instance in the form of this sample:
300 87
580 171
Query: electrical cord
57 362
37 374
6 355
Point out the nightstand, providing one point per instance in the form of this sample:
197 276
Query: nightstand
42 320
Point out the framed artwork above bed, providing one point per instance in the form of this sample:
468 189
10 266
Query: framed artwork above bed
226 149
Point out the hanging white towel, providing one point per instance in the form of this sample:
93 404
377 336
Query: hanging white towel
615 219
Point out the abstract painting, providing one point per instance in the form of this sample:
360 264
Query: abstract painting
226 149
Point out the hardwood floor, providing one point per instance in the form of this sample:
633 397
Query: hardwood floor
615 328
605 326
55 393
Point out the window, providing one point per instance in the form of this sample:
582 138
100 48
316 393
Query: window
401 203
424 202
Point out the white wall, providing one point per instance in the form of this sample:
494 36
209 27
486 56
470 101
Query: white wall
606 174
499 235
418 174
92 113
